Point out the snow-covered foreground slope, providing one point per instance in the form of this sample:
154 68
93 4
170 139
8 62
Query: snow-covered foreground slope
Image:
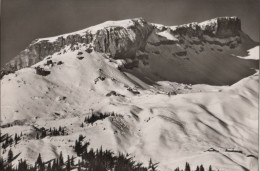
252 54
159 116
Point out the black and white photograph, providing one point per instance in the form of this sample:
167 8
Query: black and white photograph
129 85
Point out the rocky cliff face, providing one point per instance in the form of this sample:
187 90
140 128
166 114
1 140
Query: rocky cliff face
218 28
122 42
119 39
228 27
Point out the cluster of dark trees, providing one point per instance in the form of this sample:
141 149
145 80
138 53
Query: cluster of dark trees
100 160
80 146
56 132
41 135
91 160
198 168
97 160
98 116
50 132
7 164
7 140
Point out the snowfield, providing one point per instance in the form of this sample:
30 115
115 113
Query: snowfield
252 54
173 109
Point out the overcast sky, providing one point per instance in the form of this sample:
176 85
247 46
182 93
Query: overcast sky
25 20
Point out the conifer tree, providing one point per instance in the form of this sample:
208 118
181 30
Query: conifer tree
6 141
77 147
177 169
39 160
43 134
11 141
79 165
40 163
61 159
152 166
54 165
10 156
72 161
150 163
15 138
201 168
62 131
187 167
81 138
1 163
49 166
68 167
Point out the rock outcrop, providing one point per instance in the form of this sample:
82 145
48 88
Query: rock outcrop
221 27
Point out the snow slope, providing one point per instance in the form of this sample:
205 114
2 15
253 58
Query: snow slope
252 54
174 118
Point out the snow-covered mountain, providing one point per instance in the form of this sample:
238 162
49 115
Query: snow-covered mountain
178 91
183 49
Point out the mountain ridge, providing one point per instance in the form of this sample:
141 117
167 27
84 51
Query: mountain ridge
122 39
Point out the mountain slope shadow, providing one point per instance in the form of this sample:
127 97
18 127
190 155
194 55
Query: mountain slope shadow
214 69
